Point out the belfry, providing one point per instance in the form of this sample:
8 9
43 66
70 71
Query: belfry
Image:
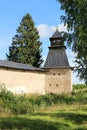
59 77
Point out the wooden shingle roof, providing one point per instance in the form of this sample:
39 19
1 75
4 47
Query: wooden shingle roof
57 58
56 34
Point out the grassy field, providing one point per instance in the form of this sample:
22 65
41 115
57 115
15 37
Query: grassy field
53 116
63 117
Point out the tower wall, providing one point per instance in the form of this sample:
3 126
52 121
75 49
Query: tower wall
59 80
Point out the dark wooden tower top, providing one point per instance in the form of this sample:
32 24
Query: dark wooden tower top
56 39
57 57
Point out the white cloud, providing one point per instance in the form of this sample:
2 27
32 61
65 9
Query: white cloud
46 30
61 27
71 58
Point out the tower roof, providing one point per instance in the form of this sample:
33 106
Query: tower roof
56 34
57 58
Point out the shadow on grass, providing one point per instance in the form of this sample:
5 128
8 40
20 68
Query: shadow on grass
29 124
74 117
78 119
25 123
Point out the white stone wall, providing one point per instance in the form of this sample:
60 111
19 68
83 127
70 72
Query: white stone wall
19 81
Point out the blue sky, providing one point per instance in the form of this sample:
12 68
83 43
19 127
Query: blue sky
46 15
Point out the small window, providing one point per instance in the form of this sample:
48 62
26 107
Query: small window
59 74
57 85
49 84
54 74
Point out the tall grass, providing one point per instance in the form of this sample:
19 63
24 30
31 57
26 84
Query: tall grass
22 104
43 112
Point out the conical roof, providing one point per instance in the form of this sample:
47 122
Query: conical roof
56 34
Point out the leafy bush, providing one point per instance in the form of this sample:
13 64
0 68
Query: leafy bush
5 94
7 99
79 86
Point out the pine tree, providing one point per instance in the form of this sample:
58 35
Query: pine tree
26 46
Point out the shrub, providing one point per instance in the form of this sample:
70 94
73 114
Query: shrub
6 94
79 86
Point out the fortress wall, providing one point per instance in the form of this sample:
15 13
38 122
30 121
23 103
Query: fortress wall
20 81
52 81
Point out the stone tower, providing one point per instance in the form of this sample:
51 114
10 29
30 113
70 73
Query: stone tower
59 72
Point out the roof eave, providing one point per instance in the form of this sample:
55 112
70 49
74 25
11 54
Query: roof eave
65 67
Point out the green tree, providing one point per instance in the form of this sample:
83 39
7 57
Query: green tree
26 46
76 20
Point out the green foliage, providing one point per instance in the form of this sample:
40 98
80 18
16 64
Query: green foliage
79 86
44 112
72 118
6 100
5 94
81 68
26 46
22 104
75 18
